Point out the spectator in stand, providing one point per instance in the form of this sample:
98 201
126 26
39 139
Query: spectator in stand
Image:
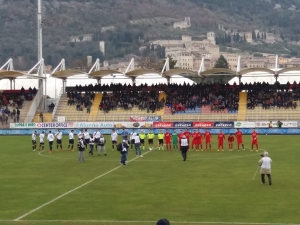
41 117
18 115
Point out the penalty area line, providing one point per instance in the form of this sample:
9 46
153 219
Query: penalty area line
151 222
74 189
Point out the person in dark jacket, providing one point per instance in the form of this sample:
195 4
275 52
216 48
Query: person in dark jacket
81 148
122 148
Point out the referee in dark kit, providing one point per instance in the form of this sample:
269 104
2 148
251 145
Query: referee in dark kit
184 146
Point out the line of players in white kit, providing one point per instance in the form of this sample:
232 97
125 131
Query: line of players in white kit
91 141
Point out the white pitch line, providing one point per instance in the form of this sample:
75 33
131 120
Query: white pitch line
59 197
190 159
152 222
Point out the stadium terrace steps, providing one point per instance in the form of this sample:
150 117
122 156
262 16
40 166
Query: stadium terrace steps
24 111
70 112
160 97
199 117
187 111
258 113
47 117
207 110
95 107
242 107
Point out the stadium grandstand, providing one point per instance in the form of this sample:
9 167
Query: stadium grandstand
171 99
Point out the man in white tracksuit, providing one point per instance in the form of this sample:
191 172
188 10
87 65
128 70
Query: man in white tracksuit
265 163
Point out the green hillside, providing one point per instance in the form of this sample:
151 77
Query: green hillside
136 22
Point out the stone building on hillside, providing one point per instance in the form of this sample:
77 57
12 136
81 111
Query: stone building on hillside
81 38
187 52
183 24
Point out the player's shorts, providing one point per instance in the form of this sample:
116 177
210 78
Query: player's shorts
132 141
150 141
230 142
33 142
58 141
168 142
114 142
42 143
50 142
96 140
71 141
207 141
86 141
255 142
240 141
194 142
142 141
160 141
175 142
220 143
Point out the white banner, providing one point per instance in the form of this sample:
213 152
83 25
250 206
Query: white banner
133 124
61 119
244 124
81 125
93 125
285 124
22 125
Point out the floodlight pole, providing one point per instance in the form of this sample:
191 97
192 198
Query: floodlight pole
40 38
238 69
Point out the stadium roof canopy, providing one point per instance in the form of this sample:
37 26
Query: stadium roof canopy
140 72
218 71
181 72
103 73
64 74
291 69
251 70
10 74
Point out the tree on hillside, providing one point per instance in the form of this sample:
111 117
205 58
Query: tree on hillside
172 62
258 36
253 35
152 62
222 63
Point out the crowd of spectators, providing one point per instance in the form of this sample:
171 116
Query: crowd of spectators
127 98
181 97
81 100
218 96
272 96
11 102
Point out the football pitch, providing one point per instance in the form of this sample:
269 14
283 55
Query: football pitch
209 188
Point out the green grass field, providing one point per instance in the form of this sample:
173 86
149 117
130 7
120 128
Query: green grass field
209 188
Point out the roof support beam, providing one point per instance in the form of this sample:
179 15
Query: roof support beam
202 66
166 66
39 66
61 66
130 66
96 66
9 64
238 67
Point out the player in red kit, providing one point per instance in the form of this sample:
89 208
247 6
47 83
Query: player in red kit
254 136
180 135
239 139
221 138
230 142
168 139
199 140
194 141
187 134
208 138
